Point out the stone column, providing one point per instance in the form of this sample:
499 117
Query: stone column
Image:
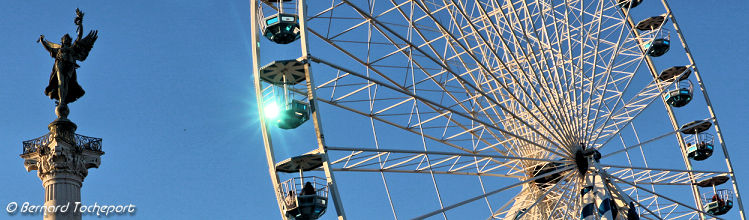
62 159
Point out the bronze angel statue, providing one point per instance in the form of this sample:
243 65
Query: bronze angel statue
63 85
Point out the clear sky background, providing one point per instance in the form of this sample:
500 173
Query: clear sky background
169 89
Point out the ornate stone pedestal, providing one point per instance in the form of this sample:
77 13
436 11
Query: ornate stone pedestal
62 159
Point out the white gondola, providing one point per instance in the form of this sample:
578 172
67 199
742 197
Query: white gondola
281 28
720 201
661 37
679 93
283 106
304 197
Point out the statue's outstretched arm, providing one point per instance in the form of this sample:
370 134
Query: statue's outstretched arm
82 45
79 21
49 46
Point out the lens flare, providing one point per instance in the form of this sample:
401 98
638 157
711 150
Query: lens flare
271 110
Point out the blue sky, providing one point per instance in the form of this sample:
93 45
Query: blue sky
169 89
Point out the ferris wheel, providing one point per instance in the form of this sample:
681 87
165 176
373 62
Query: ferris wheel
486 109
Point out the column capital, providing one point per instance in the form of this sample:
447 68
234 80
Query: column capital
61 151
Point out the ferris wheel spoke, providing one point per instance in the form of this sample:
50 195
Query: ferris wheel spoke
543 86
624 201
506 207
564 40
630 164
609 90
447 208
551 63
398 125
569 200
441 108
543 196
629 111
449 142
568 197
637 202
513 84
477 62
412 161
604 106
662 176
565 80
380 83
543 96
575 17
438 114
572 73
428 43
608 51
597 18
483 188
573 206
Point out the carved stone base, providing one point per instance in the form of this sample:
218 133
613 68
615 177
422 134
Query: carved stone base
62 166
63 128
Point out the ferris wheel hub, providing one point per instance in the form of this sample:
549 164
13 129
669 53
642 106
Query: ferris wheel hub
584 157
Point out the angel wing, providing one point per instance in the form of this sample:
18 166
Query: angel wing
84 45
49 46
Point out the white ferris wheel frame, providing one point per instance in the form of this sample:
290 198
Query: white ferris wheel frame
546 133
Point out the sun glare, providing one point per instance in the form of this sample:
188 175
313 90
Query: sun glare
271 110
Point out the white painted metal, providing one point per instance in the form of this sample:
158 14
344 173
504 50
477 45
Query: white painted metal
268 144
312 97
493 90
